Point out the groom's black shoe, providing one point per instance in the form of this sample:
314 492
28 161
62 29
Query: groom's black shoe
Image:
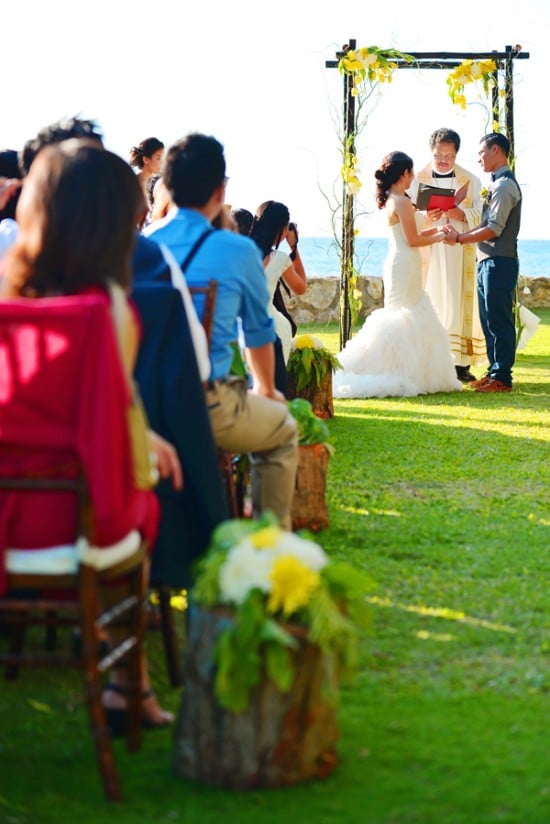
463 374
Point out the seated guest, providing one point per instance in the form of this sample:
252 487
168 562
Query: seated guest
244 219
153 262
270 226
62 249
149 261
64 129
242 421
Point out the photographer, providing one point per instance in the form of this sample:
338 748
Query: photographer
283 271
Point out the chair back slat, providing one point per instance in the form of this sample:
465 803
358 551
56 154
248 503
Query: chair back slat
206 310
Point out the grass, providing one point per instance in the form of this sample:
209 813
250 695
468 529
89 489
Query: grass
444 500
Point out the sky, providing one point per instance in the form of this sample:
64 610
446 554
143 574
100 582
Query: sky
253 74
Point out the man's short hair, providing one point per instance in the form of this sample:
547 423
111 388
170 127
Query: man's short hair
193 169
64 129
445 136
497 139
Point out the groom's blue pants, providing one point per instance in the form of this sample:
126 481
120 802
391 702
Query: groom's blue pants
496 283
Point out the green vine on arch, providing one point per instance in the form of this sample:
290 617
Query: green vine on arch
368 68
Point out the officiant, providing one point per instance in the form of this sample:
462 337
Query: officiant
450 271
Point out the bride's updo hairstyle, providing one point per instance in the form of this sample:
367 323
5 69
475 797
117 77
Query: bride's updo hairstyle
392 168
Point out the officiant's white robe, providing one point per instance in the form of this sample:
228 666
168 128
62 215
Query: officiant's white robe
450 271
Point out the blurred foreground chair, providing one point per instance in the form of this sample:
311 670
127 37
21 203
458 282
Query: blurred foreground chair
66 485
172 393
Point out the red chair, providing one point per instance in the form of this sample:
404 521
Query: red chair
71 520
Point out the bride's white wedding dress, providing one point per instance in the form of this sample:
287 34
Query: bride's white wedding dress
402 349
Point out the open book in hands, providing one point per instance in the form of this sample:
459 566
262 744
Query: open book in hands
431 197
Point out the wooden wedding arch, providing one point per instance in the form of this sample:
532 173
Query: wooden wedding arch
503 112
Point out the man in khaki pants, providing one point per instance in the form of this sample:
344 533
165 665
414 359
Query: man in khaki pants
257 422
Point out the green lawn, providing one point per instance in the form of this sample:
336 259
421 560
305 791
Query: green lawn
445 502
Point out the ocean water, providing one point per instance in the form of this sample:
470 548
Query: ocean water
320 256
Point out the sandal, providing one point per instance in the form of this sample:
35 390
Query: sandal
117 717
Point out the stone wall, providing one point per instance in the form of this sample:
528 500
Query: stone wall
320 302
534 292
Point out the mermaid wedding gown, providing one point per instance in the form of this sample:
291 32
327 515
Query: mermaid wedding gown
402 349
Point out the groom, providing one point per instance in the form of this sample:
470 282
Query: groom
498 264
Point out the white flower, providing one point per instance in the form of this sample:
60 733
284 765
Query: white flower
307 552
245 568
248 567
369 59
477 72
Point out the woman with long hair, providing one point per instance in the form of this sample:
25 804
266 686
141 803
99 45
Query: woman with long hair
76 219
271 225
402 349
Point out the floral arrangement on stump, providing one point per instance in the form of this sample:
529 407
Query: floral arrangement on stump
270 580
273 628
310 367
310 361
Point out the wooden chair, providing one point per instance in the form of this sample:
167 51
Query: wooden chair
60 375
206 294
225 458
167 374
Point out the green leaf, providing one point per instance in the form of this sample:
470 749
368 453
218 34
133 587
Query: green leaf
279 666
272 631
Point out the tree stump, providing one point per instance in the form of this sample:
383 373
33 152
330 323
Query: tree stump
281 739
309 505
320 397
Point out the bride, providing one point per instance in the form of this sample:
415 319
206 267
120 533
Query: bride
402 349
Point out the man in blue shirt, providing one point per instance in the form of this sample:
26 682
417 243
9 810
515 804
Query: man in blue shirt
256 422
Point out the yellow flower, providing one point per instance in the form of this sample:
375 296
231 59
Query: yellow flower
293 583
266 538
307 342
304 342
487 66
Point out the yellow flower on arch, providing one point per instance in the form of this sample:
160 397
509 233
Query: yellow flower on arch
470 71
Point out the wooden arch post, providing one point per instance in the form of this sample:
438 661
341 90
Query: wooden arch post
504 72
